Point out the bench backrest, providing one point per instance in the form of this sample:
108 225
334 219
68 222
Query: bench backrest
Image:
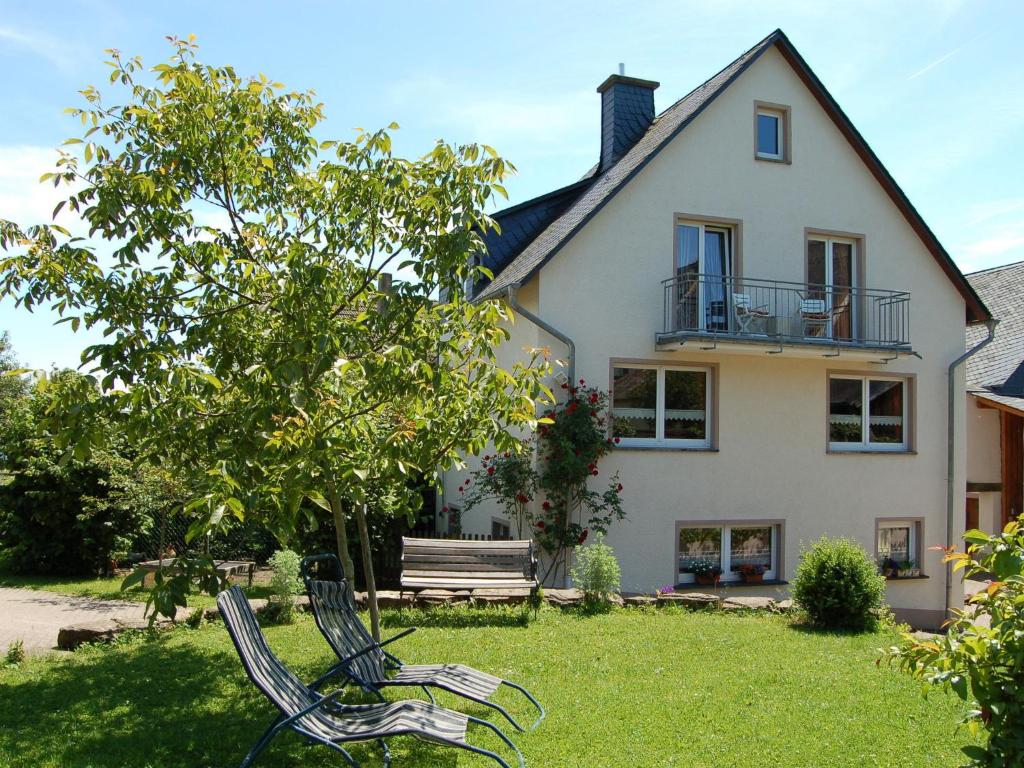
470 559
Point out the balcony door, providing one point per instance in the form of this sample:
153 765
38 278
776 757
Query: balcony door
703 266
831 271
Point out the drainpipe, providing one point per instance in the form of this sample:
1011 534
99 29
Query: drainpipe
950 455
514 303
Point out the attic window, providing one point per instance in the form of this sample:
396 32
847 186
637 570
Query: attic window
771 132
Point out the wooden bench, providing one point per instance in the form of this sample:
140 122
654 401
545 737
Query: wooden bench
454 564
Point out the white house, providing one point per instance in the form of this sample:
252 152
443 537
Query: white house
775 323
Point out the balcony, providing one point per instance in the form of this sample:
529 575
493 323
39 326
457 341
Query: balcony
785 317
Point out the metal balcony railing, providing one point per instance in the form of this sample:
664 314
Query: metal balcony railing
743 308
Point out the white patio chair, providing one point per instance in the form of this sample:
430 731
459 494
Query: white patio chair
815 318
749 319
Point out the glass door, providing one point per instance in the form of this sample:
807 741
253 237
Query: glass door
831 267
703 266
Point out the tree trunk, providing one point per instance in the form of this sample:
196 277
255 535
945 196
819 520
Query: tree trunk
371 584
341 535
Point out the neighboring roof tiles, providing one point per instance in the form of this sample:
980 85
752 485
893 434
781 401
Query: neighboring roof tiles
669 124
999 367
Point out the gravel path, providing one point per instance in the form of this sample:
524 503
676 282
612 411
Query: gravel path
35 617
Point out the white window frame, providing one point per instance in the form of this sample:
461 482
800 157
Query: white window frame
912 542
659 439
780 133
729 575
702 228
866 443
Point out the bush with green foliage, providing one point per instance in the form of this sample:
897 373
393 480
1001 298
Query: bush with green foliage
596 572
67 514
15 653
838 586
981 656
285 584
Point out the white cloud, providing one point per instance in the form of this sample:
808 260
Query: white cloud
23 199
60 53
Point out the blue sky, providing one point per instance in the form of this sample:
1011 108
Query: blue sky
937 88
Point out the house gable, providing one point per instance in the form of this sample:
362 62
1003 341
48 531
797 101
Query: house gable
670 124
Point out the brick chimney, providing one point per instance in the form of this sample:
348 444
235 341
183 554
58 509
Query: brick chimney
627 109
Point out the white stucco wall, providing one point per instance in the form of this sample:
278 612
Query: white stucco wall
983 461
603 290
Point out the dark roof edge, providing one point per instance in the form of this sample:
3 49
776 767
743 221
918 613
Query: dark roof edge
976 310
995 269
763 44
542 198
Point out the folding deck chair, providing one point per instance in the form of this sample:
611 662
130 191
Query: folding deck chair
368 665
327 721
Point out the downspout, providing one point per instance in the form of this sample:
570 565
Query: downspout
514 303
950 449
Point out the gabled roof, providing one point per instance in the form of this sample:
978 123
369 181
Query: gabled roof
667 126
997 370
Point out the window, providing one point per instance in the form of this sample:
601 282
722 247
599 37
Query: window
654 405
897 545
771 132
831 272
500 530
729 547
703 267
867 413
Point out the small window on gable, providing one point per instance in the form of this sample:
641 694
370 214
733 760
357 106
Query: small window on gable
771 133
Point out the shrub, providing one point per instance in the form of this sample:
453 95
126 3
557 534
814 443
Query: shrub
15 653
284 586
596 572
838 585
981 657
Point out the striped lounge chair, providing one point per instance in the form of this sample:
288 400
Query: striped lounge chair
325 720
369 666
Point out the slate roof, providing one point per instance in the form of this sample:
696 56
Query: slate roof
560 229
997 371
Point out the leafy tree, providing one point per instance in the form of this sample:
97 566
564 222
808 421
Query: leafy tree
250 333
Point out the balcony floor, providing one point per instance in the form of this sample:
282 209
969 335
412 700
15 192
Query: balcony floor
784 346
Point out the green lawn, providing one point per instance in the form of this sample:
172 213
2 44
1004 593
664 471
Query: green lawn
625 689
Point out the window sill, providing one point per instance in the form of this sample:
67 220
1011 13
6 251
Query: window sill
694 586
869 452
669 448
907 578
780 160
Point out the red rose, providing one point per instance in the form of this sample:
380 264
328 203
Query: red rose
593 397
583 536
583 383
617 440
619 488
591 467
595 473
540 524
547 506
521 498
469 480
564 385
490 470
461 489
444 510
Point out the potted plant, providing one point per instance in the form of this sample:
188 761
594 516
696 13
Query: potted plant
753 573
889 567
706 572
906 569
